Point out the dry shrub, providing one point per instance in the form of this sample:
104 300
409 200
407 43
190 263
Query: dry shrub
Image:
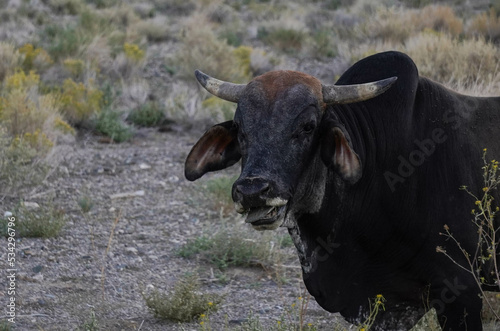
79 101
398 24
202 50
135 93
388 24
20 164
121 16
23 110
438 18
154 30
454 62
486 25
10 59
182 103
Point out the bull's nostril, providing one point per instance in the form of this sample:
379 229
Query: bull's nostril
252 189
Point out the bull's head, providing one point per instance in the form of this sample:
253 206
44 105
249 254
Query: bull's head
277 130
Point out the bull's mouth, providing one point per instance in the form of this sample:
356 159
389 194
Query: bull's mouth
266 218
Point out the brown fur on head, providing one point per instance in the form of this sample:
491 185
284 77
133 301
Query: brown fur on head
274 82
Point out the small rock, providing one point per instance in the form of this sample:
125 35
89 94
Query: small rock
30 205
144 166
7 214
173 179
27 252
38 277
120 267
37 269
127 195
131 250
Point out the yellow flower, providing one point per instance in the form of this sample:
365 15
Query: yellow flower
300 298
201 323
293 304
485 189
484 150
279 322
478 202
379 296
210 303
309 324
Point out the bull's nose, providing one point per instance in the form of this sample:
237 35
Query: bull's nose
251 190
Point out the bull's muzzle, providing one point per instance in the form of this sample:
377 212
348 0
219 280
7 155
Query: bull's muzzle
257 197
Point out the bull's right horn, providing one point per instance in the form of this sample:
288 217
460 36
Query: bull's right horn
224 90
341 94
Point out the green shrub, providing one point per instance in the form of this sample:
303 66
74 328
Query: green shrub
149 114
91 324
62 41
100 4
184 303
229 247
43 222
109 123
66 7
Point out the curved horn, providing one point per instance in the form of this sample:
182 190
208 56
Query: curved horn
341 94
224 90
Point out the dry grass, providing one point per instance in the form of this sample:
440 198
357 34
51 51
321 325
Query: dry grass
201 49
10 58
438 18
486 25
454 62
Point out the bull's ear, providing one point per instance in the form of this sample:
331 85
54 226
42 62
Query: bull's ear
217 149
337 153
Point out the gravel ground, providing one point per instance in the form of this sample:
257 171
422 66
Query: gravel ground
141 185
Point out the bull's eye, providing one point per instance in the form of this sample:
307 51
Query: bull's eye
308 127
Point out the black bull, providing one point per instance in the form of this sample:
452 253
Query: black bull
364 188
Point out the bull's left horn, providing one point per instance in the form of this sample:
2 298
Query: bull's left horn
224 90
340 94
